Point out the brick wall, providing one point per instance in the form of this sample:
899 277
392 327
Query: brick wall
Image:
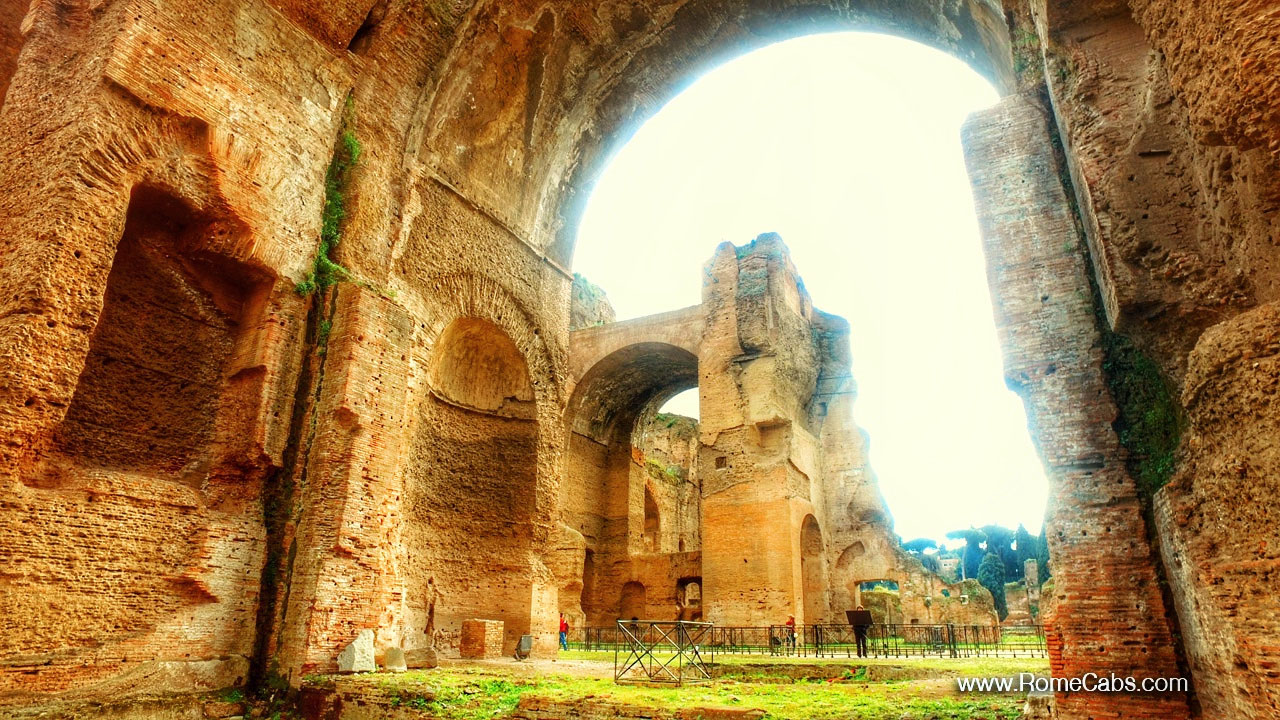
1109 615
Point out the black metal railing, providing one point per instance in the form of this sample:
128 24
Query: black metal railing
882 640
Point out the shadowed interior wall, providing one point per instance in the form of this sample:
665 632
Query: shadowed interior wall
136 491
471 486
11 14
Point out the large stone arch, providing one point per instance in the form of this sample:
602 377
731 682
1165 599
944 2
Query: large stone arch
520 118
608 502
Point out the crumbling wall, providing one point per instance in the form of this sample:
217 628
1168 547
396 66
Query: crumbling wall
666 448
1047 322
589 305
1224 584
1170 135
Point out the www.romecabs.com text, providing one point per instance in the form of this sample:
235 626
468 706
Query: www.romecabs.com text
1089 682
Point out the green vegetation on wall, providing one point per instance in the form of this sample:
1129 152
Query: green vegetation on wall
346 156
1150 420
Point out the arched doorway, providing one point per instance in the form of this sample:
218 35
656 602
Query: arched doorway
626 505
634 602
652 522
813 572
471 486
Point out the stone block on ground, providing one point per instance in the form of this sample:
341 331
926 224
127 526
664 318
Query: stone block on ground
481 639
358 656
394 660
419 658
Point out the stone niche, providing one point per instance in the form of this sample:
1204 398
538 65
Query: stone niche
470 487
148 485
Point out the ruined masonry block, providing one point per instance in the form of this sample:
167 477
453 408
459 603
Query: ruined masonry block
358 656
421 658
394 660
481 639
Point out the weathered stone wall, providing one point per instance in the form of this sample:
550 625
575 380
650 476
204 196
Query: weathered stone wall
148 338
588 305
162 173
1221 556
1046 319
1168 122
666 447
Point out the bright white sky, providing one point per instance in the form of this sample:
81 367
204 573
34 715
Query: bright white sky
848 145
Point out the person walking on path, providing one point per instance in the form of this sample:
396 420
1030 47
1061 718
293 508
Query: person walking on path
564 633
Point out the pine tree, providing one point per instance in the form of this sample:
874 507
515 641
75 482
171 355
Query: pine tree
1042 554
1027 546
991 577
971 556
1000 542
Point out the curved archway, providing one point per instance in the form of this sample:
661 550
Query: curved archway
813 571
472 484
705 34
522 105
477 367
609 494
613 393
633 601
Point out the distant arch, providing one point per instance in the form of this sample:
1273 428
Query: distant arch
634 602
652 522
813 571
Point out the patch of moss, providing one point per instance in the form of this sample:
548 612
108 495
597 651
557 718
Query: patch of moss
322 335
346 156
1151 420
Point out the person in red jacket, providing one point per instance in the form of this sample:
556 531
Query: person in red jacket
564 633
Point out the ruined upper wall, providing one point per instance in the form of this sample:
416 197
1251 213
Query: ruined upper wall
589 306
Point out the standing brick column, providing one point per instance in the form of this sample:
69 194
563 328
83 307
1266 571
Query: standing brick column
1109 616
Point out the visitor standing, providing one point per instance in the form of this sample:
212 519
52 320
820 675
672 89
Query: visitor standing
860 636
564 633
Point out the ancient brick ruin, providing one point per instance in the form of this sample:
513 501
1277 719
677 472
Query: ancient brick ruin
766 506
216 467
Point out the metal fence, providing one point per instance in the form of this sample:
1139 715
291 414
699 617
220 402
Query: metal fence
661 651
882 640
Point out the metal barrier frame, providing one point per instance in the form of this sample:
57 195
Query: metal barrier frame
640 639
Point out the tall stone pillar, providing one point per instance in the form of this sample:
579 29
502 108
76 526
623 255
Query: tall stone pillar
758 366
1109 616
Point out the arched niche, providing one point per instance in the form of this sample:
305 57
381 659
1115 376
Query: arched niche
472 483
476 366
813 571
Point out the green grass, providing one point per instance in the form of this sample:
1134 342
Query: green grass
231 695
480 694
